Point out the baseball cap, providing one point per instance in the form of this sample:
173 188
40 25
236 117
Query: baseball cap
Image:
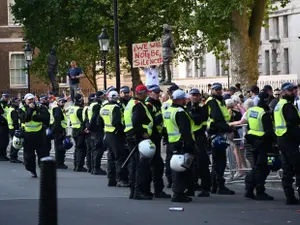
125 89
216 86
154 88
194 91
111 88
233 89
179 94
29 96
99 94
5 94
78 96
44 97
173 87
141 89
15 99
61 99
113 94
287 85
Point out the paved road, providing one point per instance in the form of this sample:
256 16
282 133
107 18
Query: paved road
86 200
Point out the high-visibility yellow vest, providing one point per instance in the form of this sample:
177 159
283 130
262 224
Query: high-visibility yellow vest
63 123
32 126
170 123
9 119
123 106
75 122
280 123
128 117
157 113
90 110
254 117
106 113
166 105
198 127
5 109
84 111
223 109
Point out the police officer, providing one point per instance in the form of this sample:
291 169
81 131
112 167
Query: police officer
287 128
87 134
124 96
180 140
44 106
114 140
138 127
157 165
164 107
58 122
4 131
32 119
218 125
199 114
261 136
13 121
96 127
78 127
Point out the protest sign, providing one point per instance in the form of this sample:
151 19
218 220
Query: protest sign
147 54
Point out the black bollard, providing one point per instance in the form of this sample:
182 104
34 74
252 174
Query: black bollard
48 193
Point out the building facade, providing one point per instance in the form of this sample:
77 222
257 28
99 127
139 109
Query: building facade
278 55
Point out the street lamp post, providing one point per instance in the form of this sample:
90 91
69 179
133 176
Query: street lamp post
28 57
117 50
103 39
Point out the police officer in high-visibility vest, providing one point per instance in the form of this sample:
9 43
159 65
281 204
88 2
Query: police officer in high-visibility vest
4 131
287 128
96 127
261 136
164 107
32 119
124 96
157 165
218 126
199 114
78 127
87 134
138 127
115 141
13 121
179 126
58 123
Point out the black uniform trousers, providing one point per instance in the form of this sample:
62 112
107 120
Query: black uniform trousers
88 144
218 167
13 151
202 163
157 167
181 180
139 168
97 150
290 164
116 156
4 139
60 152
256 178
34 142
168 171
80 148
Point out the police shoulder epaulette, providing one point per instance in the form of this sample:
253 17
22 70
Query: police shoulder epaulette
180 109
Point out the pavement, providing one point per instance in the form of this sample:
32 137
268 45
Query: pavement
84 199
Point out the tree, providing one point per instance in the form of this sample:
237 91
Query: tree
239 21
55 22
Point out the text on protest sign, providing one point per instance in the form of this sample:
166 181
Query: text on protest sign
147 54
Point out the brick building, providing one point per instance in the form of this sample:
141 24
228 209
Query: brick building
13 78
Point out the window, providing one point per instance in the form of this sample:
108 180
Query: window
18 76
223 67
285 27
200 67
267 33
274 62
189 69
217 67
286 65
10 15
267 62
276 27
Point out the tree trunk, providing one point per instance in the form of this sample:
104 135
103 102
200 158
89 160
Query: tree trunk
135 74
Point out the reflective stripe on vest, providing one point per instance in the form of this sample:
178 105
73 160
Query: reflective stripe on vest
31 126
106 112
84 111
9 119
254 117
223 109
128 117
75 122
90 110
158 113
171 125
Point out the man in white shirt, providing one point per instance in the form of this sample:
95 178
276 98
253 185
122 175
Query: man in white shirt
151 75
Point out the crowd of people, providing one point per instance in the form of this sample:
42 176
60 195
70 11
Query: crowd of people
133 130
